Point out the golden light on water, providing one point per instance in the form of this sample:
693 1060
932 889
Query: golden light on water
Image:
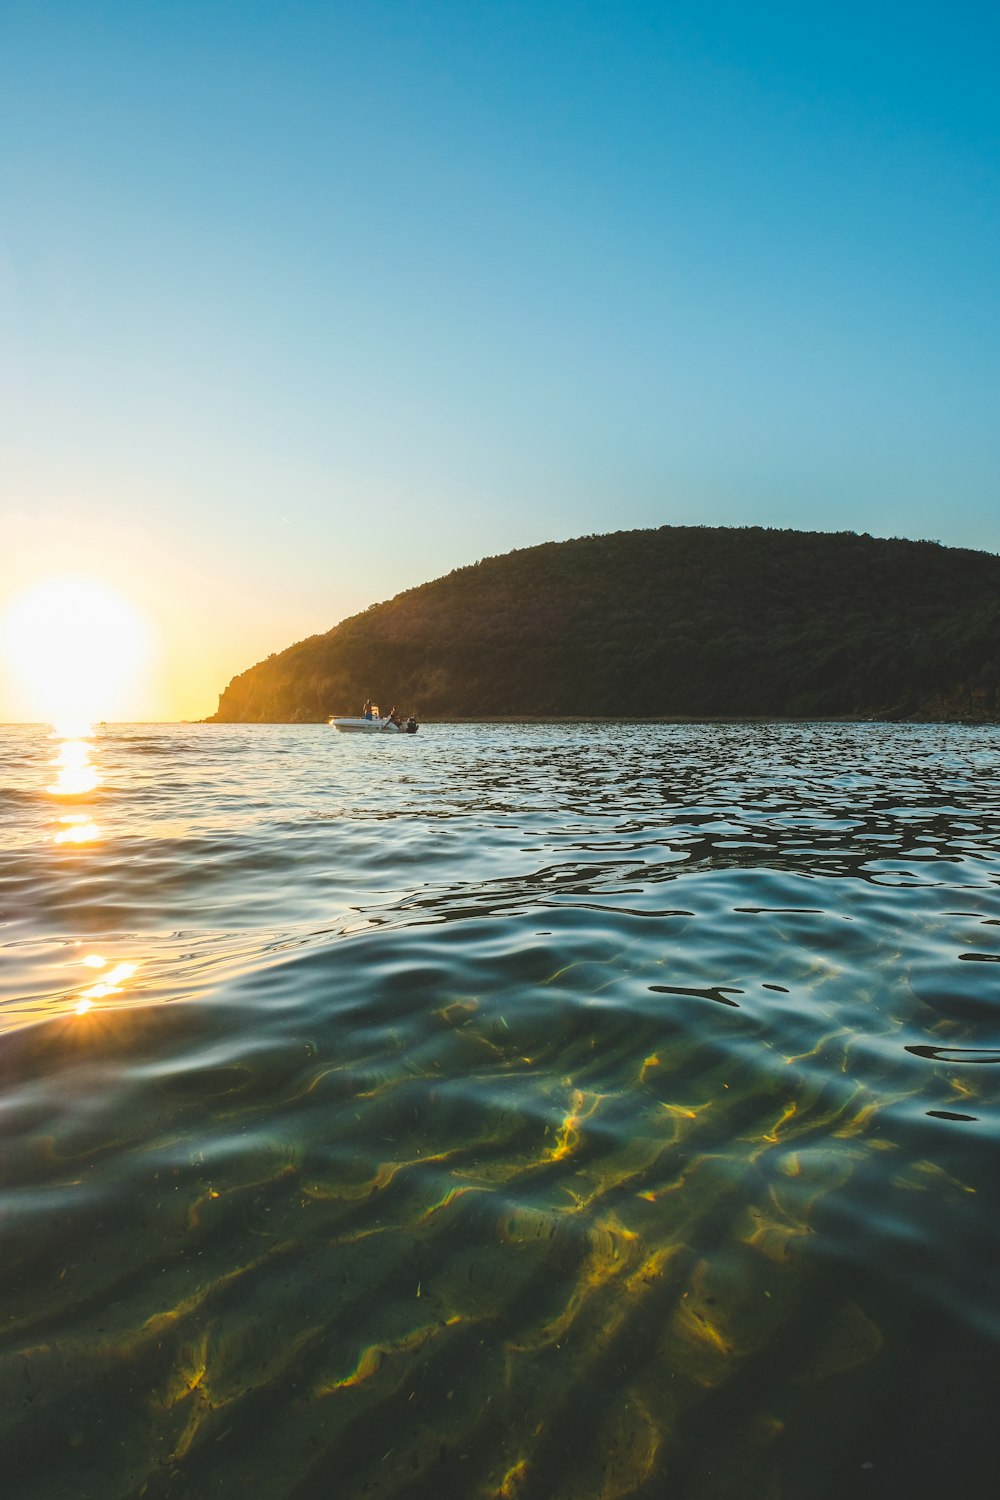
78 828
110 983
76 774
78 647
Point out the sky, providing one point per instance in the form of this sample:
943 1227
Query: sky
302 304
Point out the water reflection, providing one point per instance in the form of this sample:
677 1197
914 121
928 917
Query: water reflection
109 984
76 777
76 774
77 828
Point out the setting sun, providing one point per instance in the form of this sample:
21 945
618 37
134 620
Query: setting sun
78 647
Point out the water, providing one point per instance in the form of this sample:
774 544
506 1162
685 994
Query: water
529 1112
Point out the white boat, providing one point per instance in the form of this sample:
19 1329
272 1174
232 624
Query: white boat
377 724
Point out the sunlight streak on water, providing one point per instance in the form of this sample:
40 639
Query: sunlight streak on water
77 828
75 772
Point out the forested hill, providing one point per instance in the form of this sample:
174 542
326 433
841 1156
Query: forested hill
684 620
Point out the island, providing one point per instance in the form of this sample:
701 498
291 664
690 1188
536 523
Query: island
672 622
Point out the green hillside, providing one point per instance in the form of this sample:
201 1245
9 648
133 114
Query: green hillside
684 620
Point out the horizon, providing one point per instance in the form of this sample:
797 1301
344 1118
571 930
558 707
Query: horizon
303 310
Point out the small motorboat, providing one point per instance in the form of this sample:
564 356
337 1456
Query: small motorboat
389 723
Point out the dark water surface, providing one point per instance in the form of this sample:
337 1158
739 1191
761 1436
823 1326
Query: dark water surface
527 1112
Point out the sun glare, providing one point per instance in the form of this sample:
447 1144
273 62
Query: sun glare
78 648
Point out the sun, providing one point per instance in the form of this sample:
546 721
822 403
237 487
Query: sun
78 647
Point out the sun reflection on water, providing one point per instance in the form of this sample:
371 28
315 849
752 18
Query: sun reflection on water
109 984
76 774
77 828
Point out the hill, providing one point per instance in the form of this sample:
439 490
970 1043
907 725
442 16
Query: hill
681 621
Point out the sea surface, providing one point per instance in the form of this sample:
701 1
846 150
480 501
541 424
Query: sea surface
533 1112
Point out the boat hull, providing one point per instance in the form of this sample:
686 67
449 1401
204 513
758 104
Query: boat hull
368 726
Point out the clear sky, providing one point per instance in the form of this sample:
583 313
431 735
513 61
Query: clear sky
305 303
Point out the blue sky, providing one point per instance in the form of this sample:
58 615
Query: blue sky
302 304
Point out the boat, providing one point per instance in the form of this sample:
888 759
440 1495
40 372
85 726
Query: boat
389 723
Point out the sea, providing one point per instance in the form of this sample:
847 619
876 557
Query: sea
503 1112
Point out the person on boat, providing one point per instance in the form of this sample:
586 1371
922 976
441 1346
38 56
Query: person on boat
393 718
366 712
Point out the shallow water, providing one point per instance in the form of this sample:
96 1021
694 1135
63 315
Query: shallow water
507 1111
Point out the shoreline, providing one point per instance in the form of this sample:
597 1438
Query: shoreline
888 718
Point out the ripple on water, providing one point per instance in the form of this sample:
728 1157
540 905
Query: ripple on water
510 1113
